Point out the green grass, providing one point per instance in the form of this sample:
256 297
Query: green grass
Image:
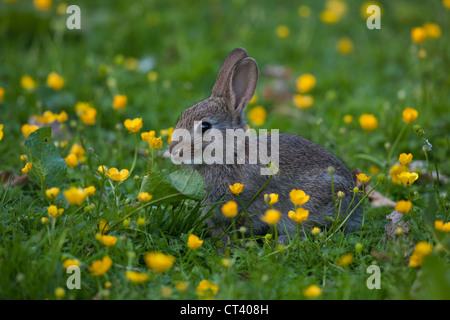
185 43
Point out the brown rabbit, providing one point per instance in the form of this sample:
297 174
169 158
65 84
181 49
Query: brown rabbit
302 163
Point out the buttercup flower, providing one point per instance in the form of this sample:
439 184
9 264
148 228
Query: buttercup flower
432 30
108 241
409 115
54 211
348 118
42 5
71 262
79 151
315 231
312 292
298 197
306 82
120 101
89 191
206 288
257 115
418 34
75 196
282 31
421 250
136 277
144 197
368 122
236 188
88 116
363 178
103 227
441 226
27 82
395 171
194 242
71 160
408 178
299 216
133 125
27 168
403 206
140 221
303 101
47 117
115 175
230 209
100 267
271 199
345 260
52 193
153 142
2 93
271 216
1 132
55 81
158 261
344 46
405 158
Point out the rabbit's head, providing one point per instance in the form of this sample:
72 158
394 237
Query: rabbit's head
224 109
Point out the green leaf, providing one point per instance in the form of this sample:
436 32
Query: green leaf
49 168
174 187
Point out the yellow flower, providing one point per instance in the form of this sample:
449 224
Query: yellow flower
2 93
312 292
62 116
315 231
348 118
46 118
109 241
271 216
303 101
44 220
405 158
374 170
271 199
363 178
1 132
304 11
167 133
153 142
42 5
27 168
329 17
282 31
441 226
408 178
409 115
115 175
432 30
298 197
206 288
403 206
345 260
27 82
133 125
421 250
140 221
75 196
257 115
100 267
194 242
71 160
59 292
368 122
103 227
181 286
88 116
55 81
79 151
395 171
365 5
120 101
446 4
54 211
418 34
344 46
236 188
152 76
52 193
28 129
158 261
230 209
102 170
136 277
299 216
89 191
144 197
71 262
306 82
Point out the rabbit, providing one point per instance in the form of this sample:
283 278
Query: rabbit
302 163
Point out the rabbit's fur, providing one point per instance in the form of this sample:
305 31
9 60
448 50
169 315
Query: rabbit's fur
302 163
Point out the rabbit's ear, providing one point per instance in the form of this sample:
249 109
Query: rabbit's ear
223 78
242 84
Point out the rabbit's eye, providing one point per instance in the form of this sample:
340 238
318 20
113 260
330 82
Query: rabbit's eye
206 126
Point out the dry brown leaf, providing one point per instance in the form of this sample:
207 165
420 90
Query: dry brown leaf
6 176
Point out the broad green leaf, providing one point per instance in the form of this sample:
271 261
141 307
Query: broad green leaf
179 185
49 168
